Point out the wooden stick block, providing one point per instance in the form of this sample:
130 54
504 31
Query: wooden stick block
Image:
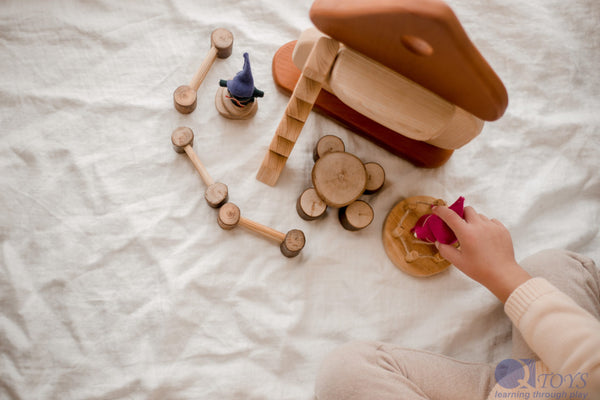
281 146
216 194
375 177
263 230
356 216
293 243
310 206
185 96
328 144
321 59
339 178
298 109
206 178
271 168
289 128
307 90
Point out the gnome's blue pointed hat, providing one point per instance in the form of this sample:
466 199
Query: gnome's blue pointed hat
242 84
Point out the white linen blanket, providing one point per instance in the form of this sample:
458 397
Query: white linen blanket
116 281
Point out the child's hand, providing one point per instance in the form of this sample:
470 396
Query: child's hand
485 252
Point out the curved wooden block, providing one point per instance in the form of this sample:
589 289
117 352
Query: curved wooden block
421 40
286 74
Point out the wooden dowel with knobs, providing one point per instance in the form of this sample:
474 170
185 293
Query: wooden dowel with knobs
185 96
216 193
290 243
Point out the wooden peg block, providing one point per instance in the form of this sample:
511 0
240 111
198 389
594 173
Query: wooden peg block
356 216
185 96
293 243
216 194
310 206
339 178
229 216
328 144
375 177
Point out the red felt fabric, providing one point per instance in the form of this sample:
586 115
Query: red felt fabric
431 228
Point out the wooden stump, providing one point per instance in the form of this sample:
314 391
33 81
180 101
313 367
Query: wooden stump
293 243
356 216
375 177
310 206
339 178
328 144
229 216
216 194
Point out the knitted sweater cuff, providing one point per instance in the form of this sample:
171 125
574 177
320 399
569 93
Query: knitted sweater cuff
525 295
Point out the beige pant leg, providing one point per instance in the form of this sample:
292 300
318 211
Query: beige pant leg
379 371
575 275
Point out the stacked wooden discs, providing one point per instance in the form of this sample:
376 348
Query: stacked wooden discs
339 178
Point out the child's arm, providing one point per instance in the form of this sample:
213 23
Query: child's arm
486 251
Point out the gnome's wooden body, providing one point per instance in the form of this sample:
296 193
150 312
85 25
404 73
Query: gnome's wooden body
402 73
235 98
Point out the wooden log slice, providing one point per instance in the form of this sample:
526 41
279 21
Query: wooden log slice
356 216
182 137
216 194
375 177
229 216
328 144
310 206
406 252
292 244
339 178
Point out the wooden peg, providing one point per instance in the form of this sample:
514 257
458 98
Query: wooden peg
339 178
375 177
328 144
310 206
290 243
185 96
216 193
356 216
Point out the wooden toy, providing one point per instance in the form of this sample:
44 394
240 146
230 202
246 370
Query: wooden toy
375 177
328 144
235 98
339 178
310 206
355 216
405 75
413 256
309 85
216 193
185 96
290 243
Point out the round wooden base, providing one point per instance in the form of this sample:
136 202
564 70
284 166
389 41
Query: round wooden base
227 109
409 254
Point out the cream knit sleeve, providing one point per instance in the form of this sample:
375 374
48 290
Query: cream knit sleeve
558 330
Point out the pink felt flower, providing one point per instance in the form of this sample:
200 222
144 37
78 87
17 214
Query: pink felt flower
431 228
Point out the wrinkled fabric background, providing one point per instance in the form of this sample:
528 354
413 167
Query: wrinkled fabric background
117 283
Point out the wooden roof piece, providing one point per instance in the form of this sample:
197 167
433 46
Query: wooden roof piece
421 40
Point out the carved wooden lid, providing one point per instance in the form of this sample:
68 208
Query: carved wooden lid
422 40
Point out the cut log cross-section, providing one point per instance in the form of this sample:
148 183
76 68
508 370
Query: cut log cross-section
298 109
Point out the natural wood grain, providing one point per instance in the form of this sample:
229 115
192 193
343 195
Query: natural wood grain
421 154
185 96
375 177
228 110
293 243
328 144
403 249
339 178
229 216
422 40
356 216
310 206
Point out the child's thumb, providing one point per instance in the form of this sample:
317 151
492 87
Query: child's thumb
449 252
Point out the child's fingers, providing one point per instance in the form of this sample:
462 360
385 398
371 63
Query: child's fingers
449 252
452 219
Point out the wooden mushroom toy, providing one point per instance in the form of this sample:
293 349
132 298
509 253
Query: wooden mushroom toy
216 193
185 96
290 244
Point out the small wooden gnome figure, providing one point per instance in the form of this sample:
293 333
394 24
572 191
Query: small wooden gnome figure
235 98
